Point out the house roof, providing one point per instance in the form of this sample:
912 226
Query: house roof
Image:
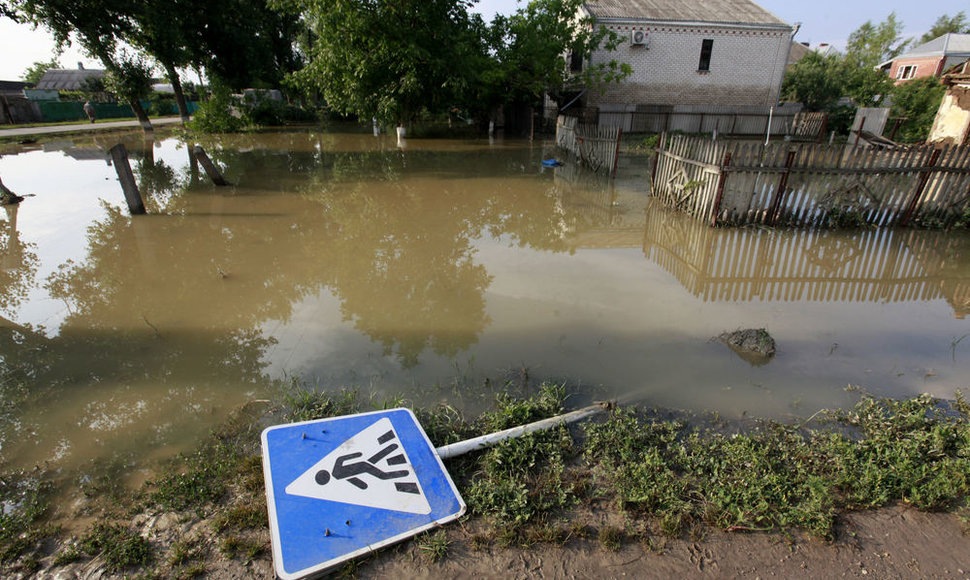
950 44
798 52
67 79
13 86
686 11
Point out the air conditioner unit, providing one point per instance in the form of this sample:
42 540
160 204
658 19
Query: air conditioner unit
639 38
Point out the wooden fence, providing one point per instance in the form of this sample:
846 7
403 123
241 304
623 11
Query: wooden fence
874 265
594 147
741 183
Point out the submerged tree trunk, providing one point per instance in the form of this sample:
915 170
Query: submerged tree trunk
173 77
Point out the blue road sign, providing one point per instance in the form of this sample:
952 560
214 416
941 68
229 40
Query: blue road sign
342 487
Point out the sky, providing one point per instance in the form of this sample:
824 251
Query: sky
829 21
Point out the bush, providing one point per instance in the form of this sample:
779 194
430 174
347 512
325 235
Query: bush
217 115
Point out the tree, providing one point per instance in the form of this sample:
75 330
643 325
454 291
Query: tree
35 71
944 24
98 25
388 59
169 32
130 79
917 101
869 45
247 43
532 46
815 81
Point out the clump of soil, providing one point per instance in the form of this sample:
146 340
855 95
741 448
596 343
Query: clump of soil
754 345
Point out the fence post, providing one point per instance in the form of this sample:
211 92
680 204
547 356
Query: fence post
209 166
924 178
119 155
720 188
616 154
775 208
656 163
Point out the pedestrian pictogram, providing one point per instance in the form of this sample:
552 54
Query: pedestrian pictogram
369 469
342 487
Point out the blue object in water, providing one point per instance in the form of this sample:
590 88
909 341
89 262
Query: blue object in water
551 163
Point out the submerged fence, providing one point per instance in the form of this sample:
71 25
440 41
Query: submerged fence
595 147
740 183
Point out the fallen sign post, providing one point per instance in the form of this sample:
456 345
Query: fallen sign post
343 487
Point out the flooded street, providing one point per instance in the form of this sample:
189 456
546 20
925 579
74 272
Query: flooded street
342 260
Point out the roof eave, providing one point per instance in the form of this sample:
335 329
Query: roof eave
697 23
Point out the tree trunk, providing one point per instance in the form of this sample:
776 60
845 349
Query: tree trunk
173 78
140 114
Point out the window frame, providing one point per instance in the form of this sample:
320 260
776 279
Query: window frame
906 68
707 51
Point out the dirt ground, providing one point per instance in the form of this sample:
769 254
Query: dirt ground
889 543
896 542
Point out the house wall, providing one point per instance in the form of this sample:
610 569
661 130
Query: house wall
925 67
746 67
952 123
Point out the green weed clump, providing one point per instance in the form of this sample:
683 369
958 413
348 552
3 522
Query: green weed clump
120 547
23 503
519 482
780 476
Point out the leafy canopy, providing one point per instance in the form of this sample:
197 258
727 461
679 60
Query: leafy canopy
36 71
945 24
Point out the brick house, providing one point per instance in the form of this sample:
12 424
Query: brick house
929 59
693 52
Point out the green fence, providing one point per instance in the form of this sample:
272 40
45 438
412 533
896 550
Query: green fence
57 111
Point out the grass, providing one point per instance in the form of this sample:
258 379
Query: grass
434 547
119 546
779 476
23 505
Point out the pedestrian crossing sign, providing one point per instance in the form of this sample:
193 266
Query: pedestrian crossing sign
342 487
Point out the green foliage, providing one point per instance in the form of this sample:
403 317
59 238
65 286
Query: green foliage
35 71
161 104
842 218
646 144
434 547
23 498
944 24
217 114
119 547
780 476
129 80
815 81
819 82
531 48
386 59
918 101
871 44
519 481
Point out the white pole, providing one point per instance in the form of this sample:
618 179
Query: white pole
771 114
469 445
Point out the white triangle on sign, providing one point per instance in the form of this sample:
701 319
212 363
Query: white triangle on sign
370 469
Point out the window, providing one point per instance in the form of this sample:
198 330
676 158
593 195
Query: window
905 73
575 62
706 47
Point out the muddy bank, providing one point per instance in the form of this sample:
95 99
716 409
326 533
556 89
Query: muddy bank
639 493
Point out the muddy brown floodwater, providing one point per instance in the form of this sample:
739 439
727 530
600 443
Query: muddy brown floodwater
341 259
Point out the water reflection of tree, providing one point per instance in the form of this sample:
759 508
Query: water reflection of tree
18 261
